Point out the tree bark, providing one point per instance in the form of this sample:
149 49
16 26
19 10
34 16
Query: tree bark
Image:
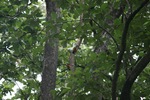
50 57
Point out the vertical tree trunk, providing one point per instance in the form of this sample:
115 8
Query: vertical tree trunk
50 57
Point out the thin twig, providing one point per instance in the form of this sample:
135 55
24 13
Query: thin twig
129 5
107 33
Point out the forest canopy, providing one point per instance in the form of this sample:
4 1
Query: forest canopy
75 49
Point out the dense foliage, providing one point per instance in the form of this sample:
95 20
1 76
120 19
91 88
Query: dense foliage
21 47
22 38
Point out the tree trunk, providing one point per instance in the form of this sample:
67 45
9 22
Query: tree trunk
50 57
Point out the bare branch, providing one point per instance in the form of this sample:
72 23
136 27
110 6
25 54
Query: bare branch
106 32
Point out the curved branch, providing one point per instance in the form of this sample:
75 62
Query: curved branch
139 67
106 32
123 48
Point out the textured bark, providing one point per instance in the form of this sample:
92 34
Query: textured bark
50 57
49 69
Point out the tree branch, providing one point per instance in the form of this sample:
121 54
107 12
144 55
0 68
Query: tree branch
71 64
106 32
139 67
123 48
